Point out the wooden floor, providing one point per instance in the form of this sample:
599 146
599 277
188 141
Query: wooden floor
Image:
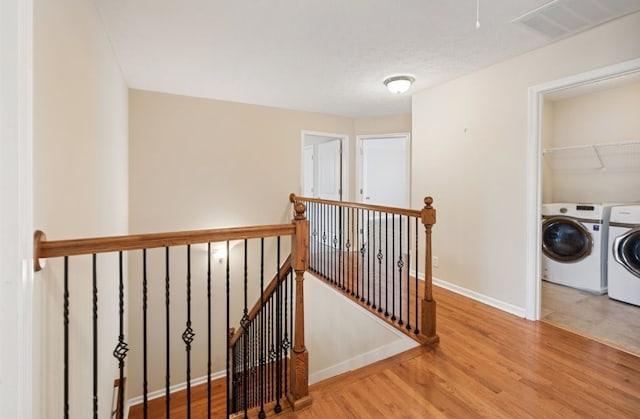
488 364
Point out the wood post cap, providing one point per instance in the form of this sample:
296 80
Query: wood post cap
300 209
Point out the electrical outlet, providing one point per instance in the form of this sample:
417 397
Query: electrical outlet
435 261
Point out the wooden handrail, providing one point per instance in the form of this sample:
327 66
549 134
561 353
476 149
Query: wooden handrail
56 248
268 292
392 210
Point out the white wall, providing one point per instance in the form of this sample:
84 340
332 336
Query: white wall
336 346
608 116
470 154
80 190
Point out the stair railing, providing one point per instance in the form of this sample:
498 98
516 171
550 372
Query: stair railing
373 254
286 316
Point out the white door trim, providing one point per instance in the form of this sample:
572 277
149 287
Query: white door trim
344 140
534 172
359 140
18 396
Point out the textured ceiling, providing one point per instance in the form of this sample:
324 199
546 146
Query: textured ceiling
327 56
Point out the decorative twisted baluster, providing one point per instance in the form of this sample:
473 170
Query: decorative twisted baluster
188 335
121 349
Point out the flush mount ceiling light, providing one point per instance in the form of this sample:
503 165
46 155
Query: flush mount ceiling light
399 84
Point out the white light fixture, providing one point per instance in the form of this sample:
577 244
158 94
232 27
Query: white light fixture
399 84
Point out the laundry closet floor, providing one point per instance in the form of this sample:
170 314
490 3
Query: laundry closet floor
596 316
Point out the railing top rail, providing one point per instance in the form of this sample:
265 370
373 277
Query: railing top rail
56 248
381 208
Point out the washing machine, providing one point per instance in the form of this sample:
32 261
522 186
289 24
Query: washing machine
624 254
574 245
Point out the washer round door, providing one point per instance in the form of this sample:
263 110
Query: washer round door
626 251
565 239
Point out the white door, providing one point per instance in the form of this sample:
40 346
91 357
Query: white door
328 170
308 177
384 177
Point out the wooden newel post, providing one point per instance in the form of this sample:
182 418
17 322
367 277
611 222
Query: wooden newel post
299 390
428 303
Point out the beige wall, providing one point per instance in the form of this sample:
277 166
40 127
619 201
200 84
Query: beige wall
80 190
361 340
608 116
198 163
383 125
546 137
470 154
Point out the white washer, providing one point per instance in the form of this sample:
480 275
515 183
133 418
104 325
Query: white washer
624 255
574 245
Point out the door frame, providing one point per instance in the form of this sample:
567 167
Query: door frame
20 390
359 166
344 140
534 170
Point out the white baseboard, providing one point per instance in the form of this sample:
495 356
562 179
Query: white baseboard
490 301
362 360
176 387
485 299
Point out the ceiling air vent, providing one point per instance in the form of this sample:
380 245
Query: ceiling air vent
560 18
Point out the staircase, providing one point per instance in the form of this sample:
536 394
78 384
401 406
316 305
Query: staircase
173 299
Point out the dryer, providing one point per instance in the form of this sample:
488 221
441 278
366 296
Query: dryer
574 245
624 254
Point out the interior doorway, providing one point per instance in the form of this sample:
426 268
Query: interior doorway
534 196
325 165
384 168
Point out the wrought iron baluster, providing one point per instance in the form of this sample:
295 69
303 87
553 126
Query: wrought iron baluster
228 325
386 264
66 338
167 290
341 262
286 343
316 220
209 364
245 323
278 341
400 266
408 274
393 268
372 263
347 248
363 249
334 253
263 381
380 257
188 335
324 240
121 349
368 259
145 361
278 407
95 338
416 329
256 362
272 350
357 259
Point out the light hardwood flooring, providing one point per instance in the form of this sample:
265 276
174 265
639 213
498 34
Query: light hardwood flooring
488 364
597 316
